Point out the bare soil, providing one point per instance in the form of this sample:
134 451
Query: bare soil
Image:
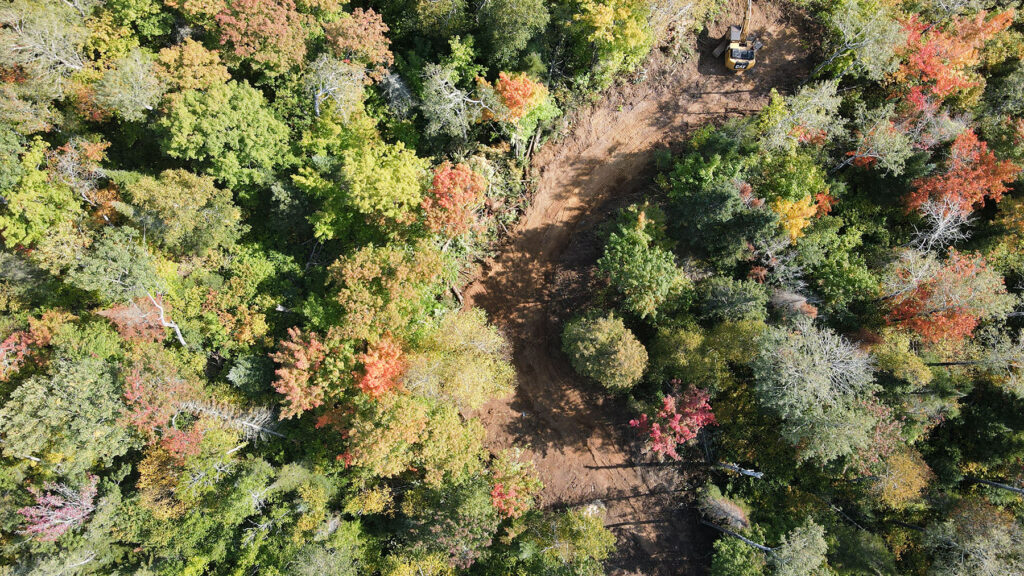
576 435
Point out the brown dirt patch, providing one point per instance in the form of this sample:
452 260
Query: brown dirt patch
578 437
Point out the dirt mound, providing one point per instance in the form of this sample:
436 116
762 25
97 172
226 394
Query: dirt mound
578 437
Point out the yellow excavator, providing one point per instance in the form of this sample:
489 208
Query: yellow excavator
740 50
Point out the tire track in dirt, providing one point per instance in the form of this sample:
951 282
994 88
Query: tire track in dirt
576 436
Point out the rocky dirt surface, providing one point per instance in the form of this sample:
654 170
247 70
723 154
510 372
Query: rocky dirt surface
578 437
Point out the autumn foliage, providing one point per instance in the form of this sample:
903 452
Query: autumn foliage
137 321
268 31
300 356
383 363
518 95
944 58
452 199
674 425
14 351
362 37
973 174
58 508
950 303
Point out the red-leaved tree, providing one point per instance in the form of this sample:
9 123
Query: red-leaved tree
58 508
137 321
973 173
453 198
299 357
383 363
674 425
362 37
944 58
270 32
14 351
948 301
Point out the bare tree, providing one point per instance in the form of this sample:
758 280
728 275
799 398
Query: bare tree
46 40
131 88
328 78
397 93
448 109
869 32
945 224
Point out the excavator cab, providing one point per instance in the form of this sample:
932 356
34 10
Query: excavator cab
740 51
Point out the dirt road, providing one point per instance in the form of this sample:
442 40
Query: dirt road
577 437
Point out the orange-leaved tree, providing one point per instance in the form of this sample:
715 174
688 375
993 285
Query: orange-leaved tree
972 174
453 198
944 58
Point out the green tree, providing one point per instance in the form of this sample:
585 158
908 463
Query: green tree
184 213
571 543
33 205
615 33
464 360
977 539
603 349
384 181
645 274
864 36
508 26
734 558
816 381
70 421
802 552
227 131
723 299
118 268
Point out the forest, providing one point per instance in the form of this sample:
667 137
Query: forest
235 237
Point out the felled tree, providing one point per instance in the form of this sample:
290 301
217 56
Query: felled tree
361 37
674 425
269 32
972 175
644 273
465 361
603 349
383 364
453 198
943 300
58 508
190 66
131 88
228 131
